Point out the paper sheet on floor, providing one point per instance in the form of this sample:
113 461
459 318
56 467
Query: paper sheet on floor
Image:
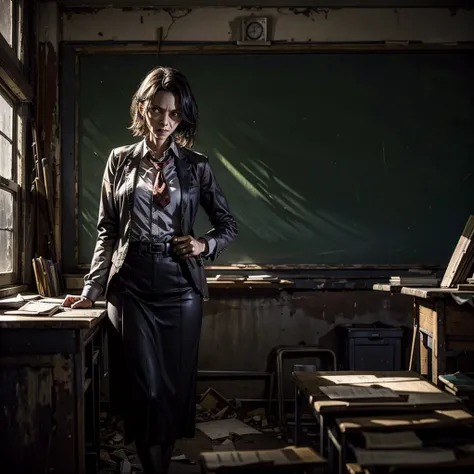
222 428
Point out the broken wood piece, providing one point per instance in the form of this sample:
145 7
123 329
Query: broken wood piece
212 400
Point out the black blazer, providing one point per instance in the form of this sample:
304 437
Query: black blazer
198 187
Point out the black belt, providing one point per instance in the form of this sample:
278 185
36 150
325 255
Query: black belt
163 248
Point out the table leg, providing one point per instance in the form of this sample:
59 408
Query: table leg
438 353
321 434
298 410
342 457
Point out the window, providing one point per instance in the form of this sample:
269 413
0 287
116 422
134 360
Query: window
14 89
6 20
9 192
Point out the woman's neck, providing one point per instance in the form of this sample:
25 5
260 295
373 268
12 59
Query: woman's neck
157 147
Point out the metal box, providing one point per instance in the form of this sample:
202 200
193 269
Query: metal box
372 348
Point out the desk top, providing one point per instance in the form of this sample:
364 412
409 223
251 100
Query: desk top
69 319
419 394
461 461
433 292
387 287
418 291
405 421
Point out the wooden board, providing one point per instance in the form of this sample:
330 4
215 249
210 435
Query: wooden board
419 392
387 287
287 457
462 260
74 319
405 421
433 292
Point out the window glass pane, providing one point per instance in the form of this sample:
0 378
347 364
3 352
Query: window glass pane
6 20
6 127
6 232
6 151
6 116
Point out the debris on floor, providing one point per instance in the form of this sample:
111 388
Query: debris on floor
221 425
220 429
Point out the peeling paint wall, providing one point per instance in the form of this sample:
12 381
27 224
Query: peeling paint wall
286 25
242 333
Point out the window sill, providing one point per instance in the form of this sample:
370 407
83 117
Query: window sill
12 290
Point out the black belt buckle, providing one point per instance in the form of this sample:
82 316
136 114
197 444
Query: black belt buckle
157 248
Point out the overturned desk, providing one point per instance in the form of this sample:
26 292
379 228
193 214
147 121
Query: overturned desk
51 369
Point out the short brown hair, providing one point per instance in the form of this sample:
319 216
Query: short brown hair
170 80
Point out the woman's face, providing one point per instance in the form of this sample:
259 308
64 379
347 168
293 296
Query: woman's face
162 115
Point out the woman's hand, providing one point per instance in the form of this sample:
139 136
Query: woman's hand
187 246
77 302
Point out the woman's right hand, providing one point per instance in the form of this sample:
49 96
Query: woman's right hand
77 302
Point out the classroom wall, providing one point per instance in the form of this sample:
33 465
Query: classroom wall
298 25
240 332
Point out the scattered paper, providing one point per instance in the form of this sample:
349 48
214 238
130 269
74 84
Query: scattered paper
278 457
223 428
367 457
80 313
180 457
348 392
35 308
360 379
395 440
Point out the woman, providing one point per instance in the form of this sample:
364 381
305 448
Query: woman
149 265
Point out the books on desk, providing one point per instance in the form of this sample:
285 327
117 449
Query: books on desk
459 384
35 308
16 302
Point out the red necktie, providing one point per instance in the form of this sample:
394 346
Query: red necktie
161 193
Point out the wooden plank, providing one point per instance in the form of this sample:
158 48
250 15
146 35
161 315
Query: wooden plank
405 421
387 287
73 319
432 292
353 468
426 317
462 258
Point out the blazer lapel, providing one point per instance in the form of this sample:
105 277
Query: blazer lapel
131 174
183 170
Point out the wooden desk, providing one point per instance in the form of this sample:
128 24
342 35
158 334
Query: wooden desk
440 324
463 464
421 395
51 369
344 427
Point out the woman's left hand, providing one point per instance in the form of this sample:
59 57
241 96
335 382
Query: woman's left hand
187 246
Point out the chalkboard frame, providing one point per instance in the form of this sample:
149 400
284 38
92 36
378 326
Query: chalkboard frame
69 88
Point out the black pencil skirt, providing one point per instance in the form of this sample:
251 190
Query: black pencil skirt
161 316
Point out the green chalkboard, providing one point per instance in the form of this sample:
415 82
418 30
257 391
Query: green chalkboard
325 158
